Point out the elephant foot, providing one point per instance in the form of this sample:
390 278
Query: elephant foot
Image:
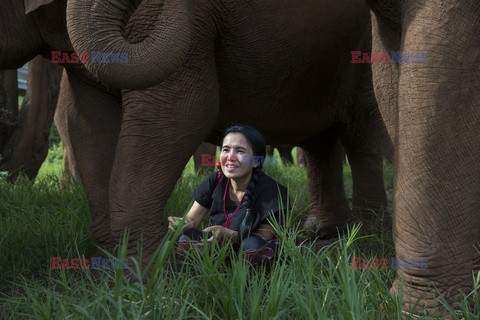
420 302
103 237
317 227
380 219
106 250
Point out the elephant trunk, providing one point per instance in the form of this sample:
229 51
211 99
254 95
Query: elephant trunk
99 28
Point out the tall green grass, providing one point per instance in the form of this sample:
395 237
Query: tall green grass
309 281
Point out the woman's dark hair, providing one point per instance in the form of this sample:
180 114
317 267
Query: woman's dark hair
258 144
253 136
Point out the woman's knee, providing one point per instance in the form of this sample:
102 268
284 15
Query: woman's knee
253 242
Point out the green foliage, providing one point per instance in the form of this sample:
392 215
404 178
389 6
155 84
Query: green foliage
55 154
39 221
53 164
54 137
311 281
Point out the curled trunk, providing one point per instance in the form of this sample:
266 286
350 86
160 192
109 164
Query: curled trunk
101 27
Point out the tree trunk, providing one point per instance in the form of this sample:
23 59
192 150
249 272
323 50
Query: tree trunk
28 146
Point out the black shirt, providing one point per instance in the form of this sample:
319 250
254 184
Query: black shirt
266 198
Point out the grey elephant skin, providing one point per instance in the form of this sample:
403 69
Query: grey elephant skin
431 109
248 62
277 81
432 113
38 27
282 68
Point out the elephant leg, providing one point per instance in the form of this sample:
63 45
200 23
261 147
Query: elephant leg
155 143
9 93
269 150
93 123
329 208
437 176
61 122
206 151
436 195
366 161
301 160
27 148
8 105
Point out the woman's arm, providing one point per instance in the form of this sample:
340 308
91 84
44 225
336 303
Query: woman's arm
195 215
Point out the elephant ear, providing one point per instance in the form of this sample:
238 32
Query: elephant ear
31 5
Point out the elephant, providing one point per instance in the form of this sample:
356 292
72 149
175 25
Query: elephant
432 218
69 164
25 136
434 139
223 62
61 122
432 115
37 27
280 79
25 145
8 105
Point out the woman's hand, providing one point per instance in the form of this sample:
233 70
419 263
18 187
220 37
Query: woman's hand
176 222
191 220
220 232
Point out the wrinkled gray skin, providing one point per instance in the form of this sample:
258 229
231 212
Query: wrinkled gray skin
37 27
246 62
65 102
27 145
432 111
263 71
8 105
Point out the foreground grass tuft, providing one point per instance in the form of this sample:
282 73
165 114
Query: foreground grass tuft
308 281
40 221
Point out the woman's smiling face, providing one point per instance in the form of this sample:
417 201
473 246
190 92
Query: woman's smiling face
236 156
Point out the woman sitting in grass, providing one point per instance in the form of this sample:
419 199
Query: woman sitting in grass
240 198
